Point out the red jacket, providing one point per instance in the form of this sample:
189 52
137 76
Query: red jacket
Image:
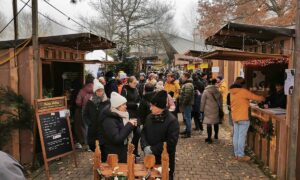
84 95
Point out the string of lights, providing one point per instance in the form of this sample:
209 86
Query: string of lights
52 20
14 17
67 16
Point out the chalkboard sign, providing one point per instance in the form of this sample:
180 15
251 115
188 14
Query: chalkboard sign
54 129
56 134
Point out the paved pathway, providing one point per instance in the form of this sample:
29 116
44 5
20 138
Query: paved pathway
194 160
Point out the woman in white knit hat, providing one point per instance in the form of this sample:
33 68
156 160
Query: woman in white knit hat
95 106
117 127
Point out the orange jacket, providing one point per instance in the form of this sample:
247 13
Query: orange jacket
175 87
239 100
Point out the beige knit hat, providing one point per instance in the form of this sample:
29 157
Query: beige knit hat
117 100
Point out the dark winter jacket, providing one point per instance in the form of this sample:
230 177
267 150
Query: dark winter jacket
159 129
198 85
94 115
116 136
133 98
277 99
141 86
111 86
198 90
144 108
186 97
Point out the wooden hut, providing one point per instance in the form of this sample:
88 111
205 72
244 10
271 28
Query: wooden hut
62 58
268 51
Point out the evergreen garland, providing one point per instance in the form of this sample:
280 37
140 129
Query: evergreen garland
266 129
15 113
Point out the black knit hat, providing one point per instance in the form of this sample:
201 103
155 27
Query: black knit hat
160 99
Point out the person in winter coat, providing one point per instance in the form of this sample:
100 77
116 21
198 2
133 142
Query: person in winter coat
186 102
238 83
239 103
111 84
276 99
210 102
172 85
198 90
161 126
170 101
10 168
130 92
116 128
80 124
141 84
144 107
95 105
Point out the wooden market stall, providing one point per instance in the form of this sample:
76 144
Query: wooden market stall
264 52
62 60
267 136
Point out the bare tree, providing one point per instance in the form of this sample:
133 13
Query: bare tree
25 27
2 25
130 22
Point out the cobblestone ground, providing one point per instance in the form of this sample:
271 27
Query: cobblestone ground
194 160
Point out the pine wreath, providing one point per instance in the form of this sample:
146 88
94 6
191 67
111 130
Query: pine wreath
15 113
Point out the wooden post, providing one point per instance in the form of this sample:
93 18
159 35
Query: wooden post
165 163
130 162
292 145
97 161
35 47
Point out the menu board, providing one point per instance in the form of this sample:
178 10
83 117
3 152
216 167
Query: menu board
56 134
54 129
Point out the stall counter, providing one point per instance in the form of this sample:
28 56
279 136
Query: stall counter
264 134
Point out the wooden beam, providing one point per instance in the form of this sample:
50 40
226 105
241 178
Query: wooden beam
293 130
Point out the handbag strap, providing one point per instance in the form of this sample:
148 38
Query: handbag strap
215 100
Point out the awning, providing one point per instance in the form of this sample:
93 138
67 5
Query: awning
236 35
241 56
80 41
81 61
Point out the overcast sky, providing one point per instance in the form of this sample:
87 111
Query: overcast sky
185 12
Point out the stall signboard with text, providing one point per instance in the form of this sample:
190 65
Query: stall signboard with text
54 129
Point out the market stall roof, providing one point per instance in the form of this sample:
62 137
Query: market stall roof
195 53
236 35
80 41
81 61
240 56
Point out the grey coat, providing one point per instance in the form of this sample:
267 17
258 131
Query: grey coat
209 105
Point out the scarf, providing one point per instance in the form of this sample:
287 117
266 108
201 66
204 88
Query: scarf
98 99
123 115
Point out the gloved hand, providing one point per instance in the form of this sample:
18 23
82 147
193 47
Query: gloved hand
147 150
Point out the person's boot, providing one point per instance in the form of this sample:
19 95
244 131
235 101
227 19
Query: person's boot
216 137
244 158
208 141
183 132
187 135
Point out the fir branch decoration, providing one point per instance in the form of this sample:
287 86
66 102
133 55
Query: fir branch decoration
15 113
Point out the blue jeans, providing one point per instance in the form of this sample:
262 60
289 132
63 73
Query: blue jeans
187 112
240 130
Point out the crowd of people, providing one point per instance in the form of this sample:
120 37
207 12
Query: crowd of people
116 110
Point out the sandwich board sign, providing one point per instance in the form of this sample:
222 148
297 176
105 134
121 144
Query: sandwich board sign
54 129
